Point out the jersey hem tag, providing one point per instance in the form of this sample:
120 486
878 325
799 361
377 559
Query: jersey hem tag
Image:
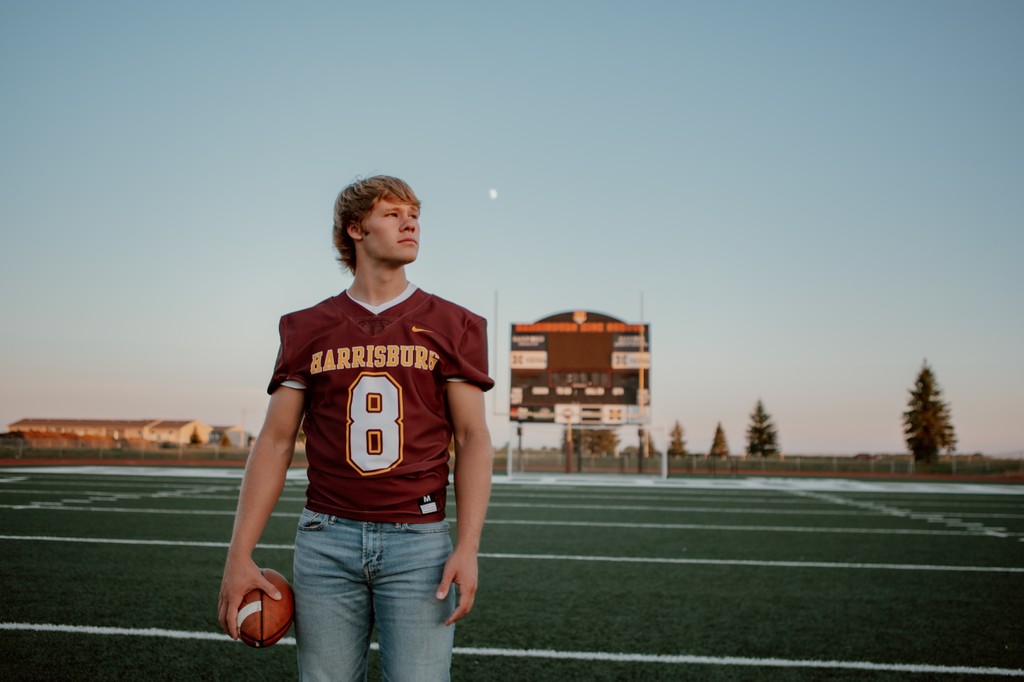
428 505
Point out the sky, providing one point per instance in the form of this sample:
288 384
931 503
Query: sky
805 200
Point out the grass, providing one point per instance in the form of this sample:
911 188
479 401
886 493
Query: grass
623 582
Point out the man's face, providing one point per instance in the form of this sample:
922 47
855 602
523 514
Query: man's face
390 235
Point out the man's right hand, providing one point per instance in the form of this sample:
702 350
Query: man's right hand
240 577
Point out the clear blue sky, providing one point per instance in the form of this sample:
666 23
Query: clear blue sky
809 198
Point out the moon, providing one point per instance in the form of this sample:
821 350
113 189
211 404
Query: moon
493 193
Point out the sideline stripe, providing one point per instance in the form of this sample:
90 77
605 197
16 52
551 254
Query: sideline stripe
875 507
685 510
756 529
559 655
123 632
297 476
751 562
740 511
57 506
739 661
568 557
61 507
126 541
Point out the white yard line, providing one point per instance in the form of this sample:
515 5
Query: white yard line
130 541
560 557
673 509
551 654
762 484
748 483
741 528
294 473
965 529
967 532
750 562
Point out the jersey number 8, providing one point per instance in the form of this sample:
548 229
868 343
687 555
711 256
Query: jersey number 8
374 427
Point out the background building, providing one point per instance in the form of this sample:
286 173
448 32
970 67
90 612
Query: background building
104 432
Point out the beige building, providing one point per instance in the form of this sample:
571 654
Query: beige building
180 432
235 436
157 431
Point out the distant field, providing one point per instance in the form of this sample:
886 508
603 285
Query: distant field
551 461
113 573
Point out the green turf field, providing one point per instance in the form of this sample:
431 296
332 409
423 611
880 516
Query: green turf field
114 574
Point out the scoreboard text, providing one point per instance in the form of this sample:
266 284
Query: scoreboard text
580 368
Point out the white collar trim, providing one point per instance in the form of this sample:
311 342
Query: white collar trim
378 309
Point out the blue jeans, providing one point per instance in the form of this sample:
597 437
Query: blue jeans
353 576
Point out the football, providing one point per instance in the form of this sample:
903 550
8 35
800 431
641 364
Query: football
263 620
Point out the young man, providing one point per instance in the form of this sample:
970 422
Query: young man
382 378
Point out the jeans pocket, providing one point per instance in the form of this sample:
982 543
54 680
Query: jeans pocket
426 528
311 521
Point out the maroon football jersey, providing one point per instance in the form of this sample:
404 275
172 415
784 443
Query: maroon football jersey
376 419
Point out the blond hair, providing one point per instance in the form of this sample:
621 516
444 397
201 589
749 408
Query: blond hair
356 202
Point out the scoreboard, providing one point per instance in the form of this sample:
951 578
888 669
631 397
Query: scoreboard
580 368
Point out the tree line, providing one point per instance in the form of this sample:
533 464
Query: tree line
927 426
762 437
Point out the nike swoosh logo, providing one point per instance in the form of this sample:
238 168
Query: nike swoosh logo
417 330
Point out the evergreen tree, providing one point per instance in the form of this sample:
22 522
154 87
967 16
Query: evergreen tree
599 441
719 448
762 439
927 423
676 444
